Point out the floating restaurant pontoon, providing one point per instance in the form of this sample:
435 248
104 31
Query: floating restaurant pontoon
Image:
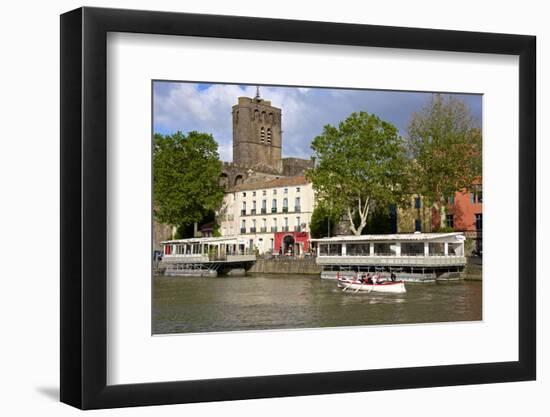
207 256
411 256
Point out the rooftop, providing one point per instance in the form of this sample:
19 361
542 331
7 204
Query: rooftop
278 182
224 239
394 237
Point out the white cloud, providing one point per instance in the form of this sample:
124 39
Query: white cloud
207 108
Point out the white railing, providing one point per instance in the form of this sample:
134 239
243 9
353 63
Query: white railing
392 260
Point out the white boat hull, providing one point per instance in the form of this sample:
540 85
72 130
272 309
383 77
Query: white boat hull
395 287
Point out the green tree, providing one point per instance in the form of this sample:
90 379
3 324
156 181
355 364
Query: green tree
186 172
445 143
323 222
360 163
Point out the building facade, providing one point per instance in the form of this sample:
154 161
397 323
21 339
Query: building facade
463 213
415 216
274 216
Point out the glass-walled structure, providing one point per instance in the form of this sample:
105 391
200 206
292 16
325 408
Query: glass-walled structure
207 249
412 252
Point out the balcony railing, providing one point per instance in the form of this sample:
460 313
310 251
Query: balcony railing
243 212
263 230
273 229
252 230
264 210
243 230
297 209
253 212
273 209
285 209
297 228
285 228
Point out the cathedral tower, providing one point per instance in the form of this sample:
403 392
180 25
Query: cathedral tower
257 134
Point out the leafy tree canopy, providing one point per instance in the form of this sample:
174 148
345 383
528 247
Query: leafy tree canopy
186 172
445 143
358 163
323 222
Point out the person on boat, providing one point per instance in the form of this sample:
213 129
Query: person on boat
369 279
392 276
374 279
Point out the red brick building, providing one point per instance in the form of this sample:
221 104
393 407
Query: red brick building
464 213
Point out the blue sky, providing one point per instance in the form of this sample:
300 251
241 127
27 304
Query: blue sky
206 108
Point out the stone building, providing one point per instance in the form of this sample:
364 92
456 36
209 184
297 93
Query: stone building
268 199
257 135
257 145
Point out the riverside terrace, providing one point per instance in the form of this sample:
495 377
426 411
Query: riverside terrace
208 256
412 256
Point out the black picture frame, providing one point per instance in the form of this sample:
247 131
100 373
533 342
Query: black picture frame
84 207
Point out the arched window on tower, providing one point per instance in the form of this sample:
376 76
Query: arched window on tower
262 135
256 114
269 136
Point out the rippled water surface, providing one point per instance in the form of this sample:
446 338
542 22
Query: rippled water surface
183 304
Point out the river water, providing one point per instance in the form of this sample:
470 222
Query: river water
184 304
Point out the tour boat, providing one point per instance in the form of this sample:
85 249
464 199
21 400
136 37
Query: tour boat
354 285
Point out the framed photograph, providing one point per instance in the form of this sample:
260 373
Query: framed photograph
257 208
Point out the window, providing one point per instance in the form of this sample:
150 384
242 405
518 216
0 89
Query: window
298 221
417 202
262 134
274 206
472 198
449 220
412 248
268 136
452 200
285 190
358 249
264 192
417 225
384 249
297 189
253 193
274 191
479 221
480 196
244 194
436 248
285 202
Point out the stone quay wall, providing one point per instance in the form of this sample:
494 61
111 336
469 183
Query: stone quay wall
284 265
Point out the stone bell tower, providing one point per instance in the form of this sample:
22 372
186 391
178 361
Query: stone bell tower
257 134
